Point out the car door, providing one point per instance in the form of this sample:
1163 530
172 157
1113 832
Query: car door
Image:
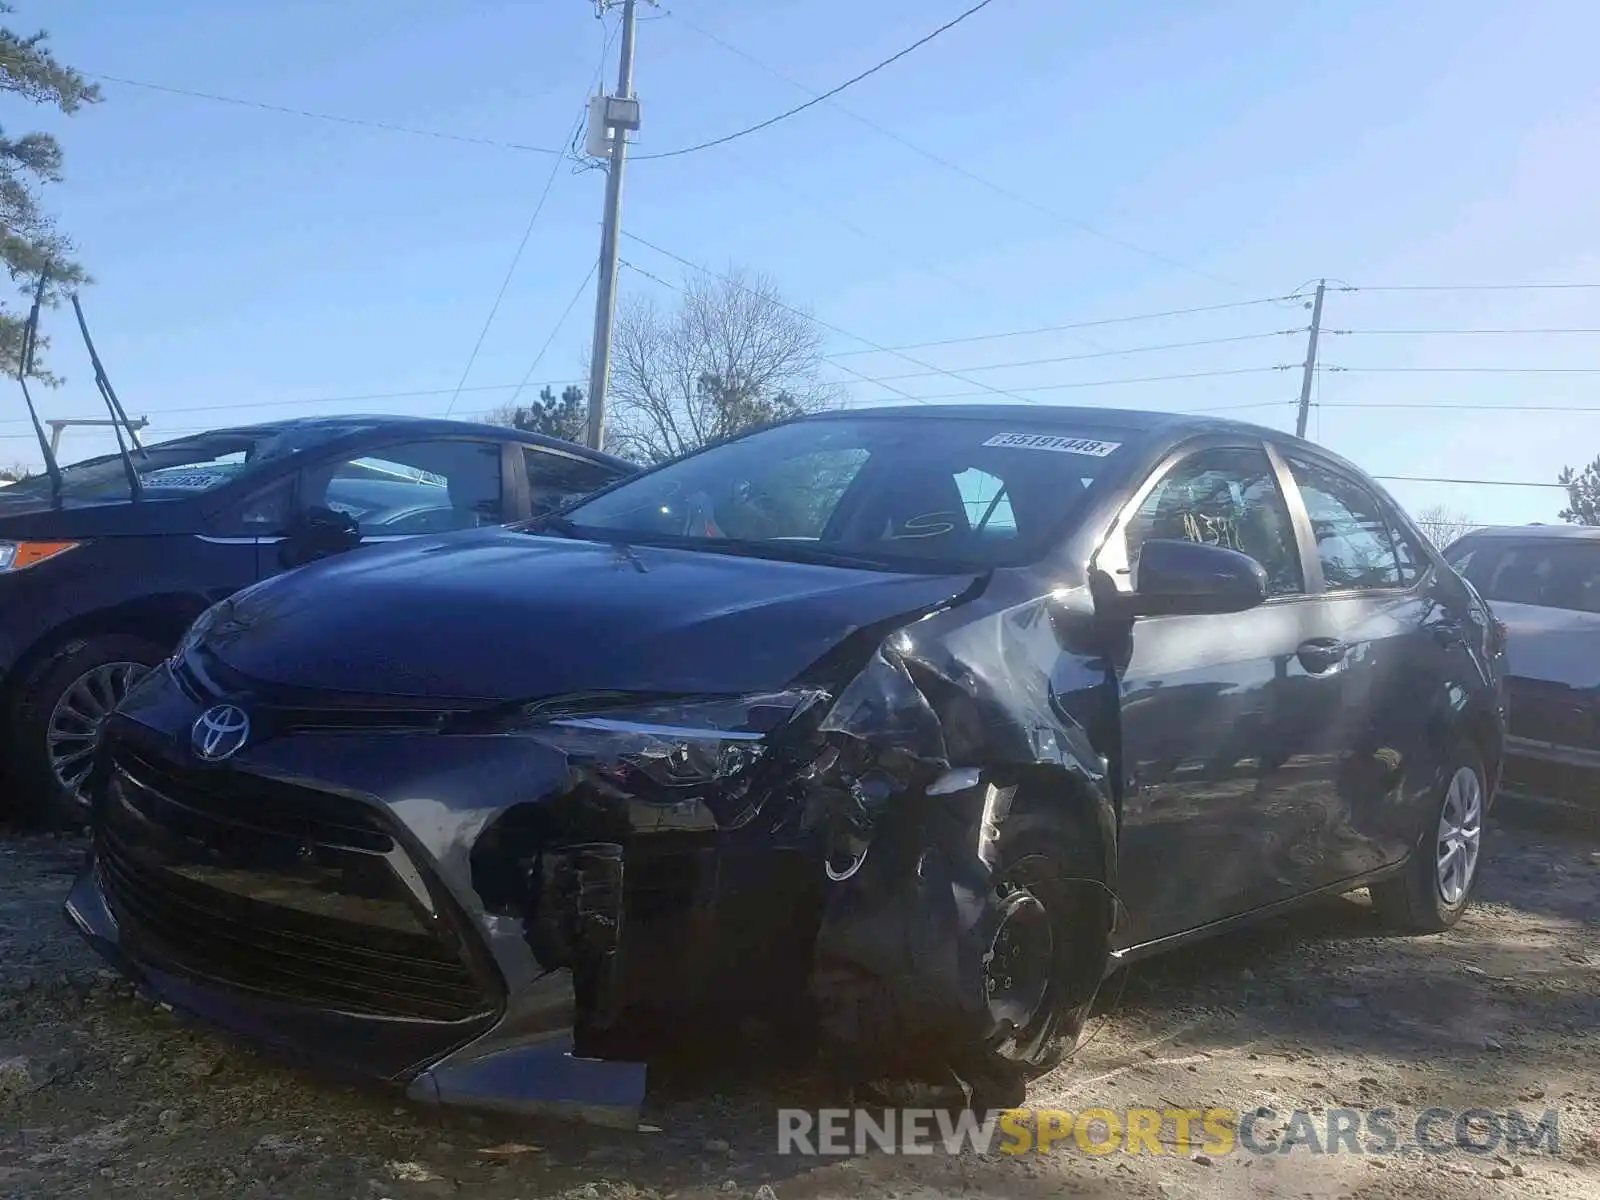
1224 740
402 489
241 538
1397 641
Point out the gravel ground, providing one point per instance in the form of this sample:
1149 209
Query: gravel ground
104 1094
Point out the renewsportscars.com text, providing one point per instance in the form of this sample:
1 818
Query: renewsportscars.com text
1173 1131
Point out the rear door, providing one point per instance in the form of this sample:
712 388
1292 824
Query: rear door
1400 649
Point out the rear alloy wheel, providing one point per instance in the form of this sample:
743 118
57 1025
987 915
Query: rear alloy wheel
60 711
1460 836
1437 885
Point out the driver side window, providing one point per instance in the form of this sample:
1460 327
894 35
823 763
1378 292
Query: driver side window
1225 497
418 487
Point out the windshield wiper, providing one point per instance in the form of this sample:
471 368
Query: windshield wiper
30 336
119 417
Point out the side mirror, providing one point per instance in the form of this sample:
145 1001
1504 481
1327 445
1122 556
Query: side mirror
1176 577
317 533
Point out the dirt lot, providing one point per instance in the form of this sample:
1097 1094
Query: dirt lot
103 1094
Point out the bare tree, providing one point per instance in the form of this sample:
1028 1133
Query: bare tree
1444 525
731 356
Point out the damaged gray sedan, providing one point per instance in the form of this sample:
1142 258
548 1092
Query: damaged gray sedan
932 717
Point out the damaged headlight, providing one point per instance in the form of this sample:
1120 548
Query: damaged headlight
677 745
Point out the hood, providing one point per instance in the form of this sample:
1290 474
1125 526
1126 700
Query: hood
502 615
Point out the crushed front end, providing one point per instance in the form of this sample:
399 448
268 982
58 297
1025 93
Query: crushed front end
513 906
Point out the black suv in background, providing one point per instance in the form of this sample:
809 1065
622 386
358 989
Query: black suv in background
1544 584
101 572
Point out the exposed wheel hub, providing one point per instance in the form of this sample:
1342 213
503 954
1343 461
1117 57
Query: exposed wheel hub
1017 967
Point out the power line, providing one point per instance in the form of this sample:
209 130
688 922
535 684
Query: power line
386 126
818 99
1472 287
1447 407
821 324
1100 383
527 233
1095 324
560 321
1469 482
1132 350
319 401
1452 332
1466 370
974 177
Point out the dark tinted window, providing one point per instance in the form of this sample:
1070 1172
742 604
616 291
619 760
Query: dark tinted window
431 487
1227 497
558 479
1354 542
1554 574
924 492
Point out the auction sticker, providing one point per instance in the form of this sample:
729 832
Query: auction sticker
1051 441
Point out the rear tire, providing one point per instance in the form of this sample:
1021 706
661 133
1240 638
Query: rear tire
1438 882
59 709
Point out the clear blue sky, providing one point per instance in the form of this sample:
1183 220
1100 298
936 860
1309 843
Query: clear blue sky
249 263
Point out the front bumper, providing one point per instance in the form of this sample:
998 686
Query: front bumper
318 894
497 1070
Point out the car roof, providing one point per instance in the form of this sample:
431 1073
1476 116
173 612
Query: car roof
1171 425
352 424
1537 532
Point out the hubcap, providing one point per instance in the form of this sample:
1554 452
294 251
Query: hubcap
1460 836
82 710
1016 971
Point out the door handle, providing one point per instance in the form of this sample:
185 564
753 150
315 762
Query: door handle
1449 633
1321 655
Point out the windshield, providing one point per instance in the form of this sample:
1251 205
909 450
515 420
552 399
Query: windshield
1549 573
915 493
185 467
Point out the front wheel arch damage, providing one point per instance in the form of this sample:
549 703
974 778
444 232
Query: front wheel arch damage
911 981
940 764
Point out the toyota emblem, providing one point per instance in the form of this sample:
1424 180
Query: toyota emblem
220 732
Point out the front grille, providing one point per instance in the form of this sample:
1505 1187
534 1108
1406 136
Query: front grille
276 890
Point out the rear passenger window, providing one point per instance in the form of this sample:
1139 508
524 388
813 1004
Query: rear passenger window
558 479
1226 497
1354 543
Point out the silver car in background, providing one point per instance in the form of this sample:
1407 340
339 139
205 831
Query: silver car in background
1543 583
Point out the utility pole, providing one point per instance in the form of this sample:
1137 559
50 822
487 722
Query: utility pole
1311 361
615 115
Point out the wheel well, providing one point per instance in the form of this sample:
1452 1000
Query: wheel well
161 619
1062 796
